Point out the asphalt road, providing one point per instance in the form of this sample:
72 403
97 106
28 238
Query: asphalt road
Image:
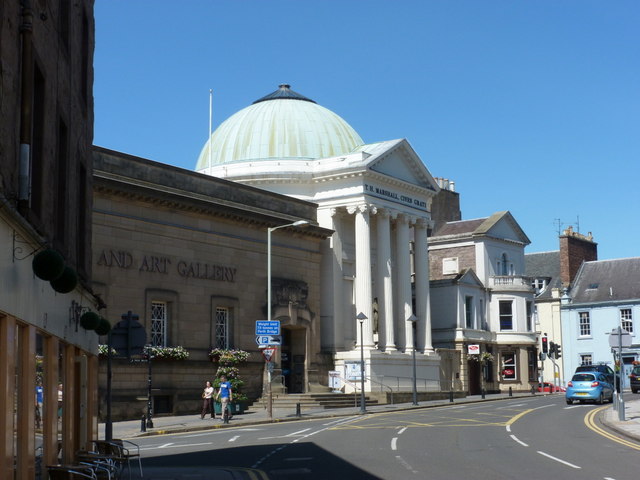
537 437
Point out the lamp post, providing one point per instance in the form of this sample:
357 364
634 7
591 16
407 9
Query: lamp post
299 223
361 318
413 319
149 398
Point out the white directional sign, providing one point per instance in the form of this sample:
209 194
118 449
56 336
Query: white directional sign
264 340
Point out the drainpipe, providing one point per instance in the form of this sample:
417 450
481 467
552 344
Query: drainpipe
26 107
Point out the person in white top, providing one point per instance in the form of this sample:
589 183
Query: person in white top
207 401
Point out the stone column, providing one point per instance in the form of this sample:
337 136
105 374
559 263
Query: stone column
421 260
403 256
384 285
363 294
337 282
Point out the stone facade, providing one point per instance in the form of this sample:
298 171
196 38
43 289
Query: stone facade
46 131
196 247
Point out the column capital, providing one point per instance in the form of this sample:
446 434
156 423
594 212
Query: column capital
360 208
381 212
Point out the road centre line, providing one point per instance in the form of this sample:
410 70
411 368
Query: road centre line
558 460
401 431
233 439
394 443
516 439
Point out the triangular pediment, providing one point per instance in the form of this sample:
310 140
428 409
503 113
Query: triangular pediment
469 277
502 225
398 160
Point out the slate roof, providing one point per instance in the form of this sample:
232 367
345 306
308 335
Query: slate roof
607 281
544 265
459 227
480 227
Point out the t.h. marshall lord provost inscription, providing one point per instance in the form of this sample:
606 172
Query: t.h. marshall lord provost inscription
154 264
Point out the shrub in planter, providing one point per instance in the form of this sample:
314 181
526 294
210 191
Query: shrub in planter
48 264
227 361
89 320
65 282
104 327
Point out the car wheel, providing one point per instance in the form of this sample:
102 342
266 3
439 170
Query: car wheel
600 400
611 398
634 391
569 401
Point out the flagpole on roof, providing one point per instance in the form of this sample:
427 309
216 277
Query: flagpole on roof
210 125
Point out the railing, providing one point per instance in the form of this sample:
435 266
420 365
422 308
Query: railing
510 281
405 384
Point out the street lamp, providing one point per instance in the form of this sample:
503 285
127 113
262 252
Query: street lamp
361 318
413 319
299 223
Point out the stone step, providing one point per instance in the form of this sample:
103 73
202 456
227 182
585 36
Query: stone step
312 400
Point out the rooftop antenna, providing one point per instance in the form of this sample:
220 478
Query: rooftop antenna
559 223
210 125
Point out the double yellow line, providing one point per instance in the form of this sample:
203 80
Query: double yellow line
589 421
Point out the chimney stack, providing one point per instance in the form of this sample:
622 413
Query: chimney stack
575 249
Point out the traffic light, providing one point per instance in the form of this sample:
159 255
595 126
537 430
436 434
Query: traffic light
558 351
545 346
552 349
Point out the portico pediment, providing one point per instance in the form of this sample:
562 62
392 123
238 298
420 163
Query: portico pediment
398 160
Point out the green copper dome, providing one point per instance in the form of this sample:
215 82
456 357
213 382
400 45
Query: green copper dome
282 125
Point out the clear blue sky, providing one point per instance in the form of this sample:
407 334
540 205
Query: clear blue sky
529 106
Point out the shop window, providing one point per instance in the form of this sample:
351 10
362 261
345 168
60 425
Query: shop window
506 315
509 366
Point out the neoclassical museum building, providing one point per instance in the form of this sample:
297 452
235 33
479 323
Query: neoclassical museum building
376 199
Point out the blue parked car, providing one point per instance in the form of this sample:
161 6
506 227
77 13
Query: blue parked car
589 386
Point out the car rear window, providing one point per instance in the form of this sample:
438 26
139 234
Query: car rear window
583 377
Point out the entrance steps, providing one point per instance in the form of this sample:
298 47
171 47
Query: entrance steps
312 401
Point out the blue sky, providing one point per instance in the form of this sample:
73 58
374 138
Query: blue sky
529 106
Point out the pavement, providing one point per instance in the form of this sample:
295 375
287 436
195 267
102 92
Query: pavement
132 429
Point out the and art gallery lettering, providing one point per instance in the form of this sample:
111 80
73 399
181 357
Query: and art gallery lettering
165 265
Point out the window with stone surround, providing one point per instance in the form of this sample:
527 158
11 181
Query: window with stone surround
509 366
159 324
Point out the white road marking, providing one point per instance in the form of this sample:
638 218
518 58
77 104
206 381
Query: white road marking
519 441
394 442
298 432
400 432
405 464
233 439
558 460
509 428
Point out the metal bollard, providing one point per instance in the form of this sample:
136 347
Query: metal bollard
451 396
510 392
483 393
298 414
143 424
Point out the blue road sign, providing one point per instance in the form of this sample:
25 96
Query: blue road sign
267 327
265 340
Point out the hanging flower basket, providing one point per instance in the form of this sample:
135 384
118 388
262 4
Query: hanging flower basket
89 320
48 265
66 282
103 351
482 358
104 327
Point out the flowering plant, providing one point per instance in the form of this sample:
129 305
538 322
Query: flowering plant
103 351
482 358
226 360
167 353
224 356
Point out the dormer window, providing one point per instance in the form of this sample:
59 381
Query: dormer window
539 284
